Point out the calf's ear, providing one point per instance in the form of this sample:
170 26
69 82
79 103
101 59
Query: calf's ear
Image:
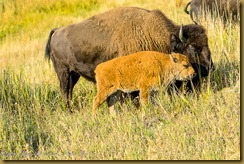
175 60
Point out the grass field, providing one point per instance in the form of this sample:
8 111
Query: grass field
34 123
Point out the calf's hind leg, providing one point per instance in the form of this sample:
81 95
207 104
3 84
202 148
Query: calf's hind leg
102 95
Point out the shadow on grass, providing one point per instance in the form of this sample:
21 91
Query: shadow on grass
225 75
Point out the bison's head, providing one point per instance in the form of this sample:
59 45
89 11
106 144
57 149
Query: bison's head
192 41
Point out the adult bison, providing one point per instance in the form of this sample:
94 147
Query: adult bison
77 49
226 9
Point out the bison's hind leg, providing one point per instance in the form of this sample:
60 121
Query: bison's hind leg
67 81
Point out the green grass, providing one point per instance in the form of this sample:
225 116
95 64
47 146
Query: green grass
34 121
24 15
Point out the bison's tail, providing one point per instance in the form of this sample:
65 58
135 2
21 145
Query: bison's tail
187 7
48 48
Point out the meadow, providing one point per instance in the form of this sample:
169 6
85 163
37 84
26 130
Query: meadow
34 122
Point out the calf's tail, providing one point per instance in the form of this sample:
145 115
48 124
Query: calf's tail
48 48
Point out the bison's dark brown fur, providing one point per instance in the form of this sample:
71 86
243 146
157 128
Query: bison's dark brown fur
77 49
226 9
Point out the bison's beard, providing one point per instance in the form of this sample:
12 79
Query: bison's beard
200 70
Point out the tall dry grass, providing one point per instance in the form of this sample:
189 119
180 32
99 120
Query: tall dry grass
35 124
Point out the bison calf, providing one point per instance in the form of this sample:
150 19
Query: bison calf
142 71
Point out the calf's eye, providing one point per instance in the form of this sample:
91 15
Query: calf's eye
186 65
175 60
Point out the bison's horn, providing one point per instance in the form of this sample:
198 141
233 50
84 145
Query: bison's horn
181 36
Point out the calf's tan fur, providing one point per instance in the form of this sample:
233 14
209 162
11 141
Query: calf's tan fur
141 71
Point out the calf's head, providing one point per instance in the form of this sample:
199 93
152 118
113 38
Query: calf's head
182 68
191 40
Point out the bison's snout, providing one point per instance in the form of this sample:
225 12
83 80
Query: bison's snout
206 70
203 70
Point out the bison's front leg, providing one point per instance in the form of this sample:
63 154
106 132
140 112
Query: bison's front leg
121 96
112 99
